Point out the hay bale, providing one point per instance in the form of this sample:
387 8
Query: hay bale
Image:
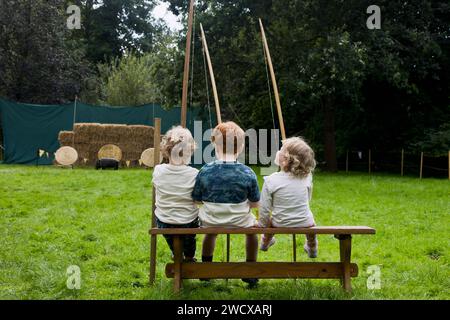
85 131
65 138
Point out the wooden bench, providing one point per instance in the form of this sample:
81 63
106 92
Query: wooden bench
180 270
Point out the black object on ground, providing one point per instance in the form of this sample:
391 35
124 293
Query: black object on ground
107 163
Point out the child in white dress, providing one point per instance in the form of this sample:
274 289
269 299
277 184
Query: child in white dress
286 194
173 183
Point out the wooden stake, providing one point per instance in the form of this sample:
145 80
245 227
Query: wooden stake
402 162
449 165
187 60
157 142
346 163
370 161
153 239
211 74
274 81
421 164
74 119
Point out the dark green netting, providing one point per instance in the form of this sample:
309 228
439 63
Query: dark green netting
27 128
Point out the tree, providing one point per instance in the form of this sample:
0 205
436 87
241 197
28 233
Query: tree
128 81
112 27
137 79
37 65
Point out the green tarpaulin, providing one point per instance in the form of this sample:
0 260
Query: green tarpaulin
28 128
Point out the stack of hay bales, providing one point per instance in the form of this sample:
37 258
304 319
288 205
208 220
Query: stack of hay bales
88 138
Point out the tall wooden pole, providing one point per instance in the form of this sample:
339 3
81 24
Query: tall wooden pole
274 81
187 60
211 74
153 239
74 119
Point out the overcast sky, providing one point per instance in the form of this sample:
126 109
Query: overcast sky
161 11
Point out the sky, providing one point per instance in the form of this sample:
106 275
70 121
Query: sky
161 11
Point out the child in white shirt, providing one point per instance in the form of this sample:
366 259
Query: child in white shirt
286 194
173 183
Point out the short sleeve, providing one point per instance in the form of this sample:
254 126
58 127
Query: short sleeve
156 174
197 191
265 206
253 189
309 180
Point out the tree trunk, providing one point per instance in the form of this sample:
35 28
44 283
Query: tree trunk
329 135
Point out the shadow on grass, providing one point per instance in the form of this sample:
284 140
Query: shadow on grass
299 289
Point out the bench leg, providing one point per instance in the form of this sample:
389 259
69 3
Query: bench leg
178 259
153 242
294 248
228 247
345 248
228 251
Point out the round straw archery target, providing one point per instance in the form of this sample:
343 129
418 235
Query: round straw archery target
110 151
66 156
148 158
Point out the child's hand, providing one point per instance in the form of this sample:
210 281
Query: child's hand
198 203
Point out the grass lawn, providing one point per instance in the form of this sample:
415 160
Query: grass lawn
53 218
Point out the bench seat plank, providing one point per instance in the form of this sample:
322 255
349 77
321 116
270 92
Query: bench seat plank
261 270
341 230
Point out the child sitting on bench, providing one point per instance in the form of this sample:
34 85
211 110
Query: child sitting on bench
173 183
286 194
228 190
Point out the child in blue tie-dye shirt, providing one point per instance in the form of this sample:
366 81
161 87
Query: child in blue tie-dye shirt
228 190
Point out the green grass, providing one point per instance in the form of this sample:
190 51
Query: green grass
52 218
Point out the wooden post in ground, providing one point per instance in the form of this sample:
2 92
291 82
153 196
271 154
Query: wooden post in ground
421 165
153 239
370 161
346 163
402 162
449 165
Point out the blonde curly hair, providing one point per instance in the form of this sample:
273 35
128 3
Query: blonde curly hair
298 157
178 145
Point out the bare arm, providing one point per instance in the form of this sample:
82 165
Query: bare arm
266 207
253 204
